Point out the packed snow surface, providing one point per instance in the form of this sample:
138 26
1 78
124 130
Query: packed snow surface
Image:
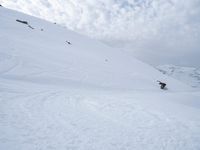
63 91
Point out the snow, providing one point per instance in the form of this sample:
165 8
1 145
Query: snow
187 75
56 96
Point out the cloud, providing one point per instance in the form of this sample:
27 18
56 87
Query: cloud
162 25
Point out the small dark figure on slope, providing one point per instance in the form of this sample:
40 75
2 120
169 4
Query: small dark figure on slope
162 85
68 42
22 21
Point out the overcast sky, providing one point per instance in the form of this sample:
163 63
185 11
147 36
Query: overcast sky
150 29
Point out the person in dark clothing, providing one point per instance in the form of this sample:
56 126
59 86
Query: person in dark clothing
162 85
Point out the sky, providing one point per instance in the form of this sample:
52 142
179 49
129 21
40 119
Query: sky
155 31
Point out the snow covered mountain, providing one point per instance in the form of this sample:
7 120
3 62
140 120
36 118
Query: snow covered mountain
43 55
61 90
187 75
157 32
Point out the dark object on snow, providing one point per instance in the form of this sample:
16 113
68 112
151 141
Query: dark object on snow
162 85
0 5
21 21
30 27
41 29
68 42
24 22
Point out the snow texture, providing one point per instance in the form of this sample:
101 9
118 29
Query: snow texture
188 75
85 95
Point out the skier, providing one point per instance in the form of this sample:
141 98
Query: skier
162 85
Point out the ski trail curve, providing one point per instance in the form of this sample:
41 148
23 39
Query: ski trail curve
62 120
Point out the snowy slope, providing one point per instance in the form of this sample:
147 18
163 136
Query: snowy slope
188 75
85 95
35 55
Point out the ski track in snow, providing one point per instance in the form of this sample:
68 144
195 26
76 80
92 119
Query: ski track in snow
50 101
61 120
